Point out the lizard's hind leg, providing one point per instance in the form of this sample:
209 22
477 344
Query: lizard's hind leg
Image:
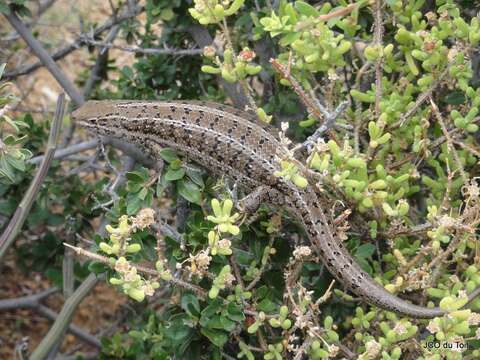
261 195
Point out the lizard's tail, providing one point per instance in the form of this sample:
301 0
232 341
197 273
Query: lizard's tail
341 265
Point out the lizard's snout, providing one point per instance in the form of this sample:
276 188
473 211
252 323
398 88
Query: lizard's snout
85 113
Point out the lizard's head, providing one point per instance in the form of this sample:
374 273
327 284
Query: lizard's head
97 116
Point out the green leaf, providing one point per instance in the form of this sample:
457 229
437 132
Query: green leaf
16 163
290 38
178 331
221 323
161 186
209 311
6 170
191 305
128 72
190 191
364 265
172 175
216 337
306 9
142 193
135 176
97 267
365 251
195 174
234 312
134 204
266 305
4 8
11 140
168 155
455 98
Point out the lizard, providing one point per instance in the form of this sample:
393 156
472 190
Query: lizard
226 140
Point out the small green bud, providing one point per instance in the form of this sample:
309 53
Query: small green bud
219 11
373 53
253 328
213 293
472 128
286 324
367 202
356 163
411 64
105 248
263 116
115 281
384 138
210 69
228 75
253 69
136 294
328 322
300 181
133 248
274 323
378 184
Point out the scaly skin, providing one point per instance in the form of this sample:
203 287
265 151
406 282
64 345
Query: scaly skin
229 141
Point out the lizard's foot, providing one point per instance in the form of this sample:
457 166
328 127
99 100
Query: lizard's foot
261 195
250 203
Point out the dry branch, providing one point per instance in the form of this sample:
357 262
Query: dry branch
61 53
45 58
23 209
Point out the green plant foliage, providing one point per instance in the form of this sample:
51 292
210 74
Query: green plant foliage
13 155
398 172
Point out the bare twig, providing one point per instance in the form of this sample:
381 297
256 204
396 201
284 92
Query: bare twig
420 100
450 145
45 58
262 268
313 105
34 302
336 13
61 53
23 209
358 107
378 39
43 6
73 149
139 50
319 112
63 320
